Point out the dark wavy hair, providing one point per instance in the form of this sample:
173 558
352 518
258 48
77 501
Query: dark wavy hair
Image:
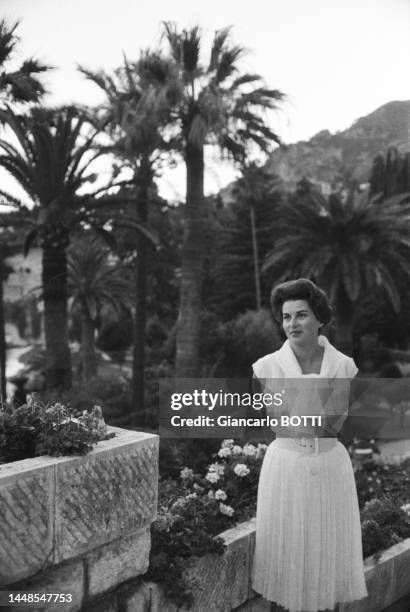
301 289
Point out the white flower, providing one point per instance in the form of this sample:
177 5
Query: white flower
186 473
228 510
241 469
249 450
225 452
197 487
227 443
406 509
191 496
237 450
220 494
218 468
212 477
211 494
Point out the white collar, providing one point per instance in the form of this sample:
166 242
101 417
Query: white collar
290 365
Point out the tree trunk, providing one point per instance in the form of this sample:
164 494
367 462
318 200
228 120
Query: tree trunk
138 364
344 323
54 279
189 316
3 394
89 358
255 259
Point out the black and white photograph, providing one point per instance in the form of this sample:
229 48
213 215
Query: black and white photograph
205 306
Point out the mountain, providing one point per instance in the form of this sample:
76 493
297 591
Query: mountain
326 157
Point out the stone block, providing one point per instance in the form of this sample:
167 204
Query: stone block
386 580
401 561
106 494
158 601
26 518
135 599
118 561
222 582
105 603
68 578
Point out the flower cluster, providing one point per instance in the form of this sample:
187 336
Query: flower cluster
37 429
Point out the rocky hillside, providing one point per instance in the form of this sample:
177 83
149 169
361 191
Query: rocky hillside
349 153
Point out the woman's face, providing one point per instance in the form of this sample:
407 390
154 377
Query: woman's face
300 323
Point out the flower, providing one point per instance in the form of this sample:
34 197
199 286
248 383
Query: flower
241 470
218 468
186 473
227 443
191 496
228 510
197 487
212 477
220 494
249 450
236 450
211 494
225 452
406 509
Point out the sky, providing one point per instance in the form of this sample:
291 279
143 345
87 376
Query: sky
336 60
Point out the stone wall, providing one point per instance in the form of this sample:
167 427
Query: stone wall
79 525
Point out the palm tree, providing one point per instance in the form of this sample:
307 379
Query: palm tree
94 282
258 189
51 162
209 104
21 85
133 123
348 248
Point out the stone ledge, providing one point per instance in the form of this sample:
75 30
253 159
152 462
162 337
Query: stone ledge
67 578
223 583
118 562
53 509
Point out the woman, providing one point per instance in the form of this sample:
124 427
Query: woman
308 554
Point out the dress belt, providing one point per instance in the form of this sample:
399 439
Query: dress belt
309 446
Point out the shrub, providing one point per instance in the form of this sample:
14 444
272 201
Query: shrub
36 429
384 523
194 508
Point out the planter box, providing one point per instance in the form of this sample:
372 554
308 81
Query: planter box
53 510
223 583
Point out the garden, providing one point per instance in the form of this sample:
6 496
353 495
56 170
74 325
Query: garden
106 287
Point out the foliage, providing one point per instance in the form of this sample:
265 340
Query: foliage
375 479
391 174
256 197
21 85
110 390
94 280
384 523
348 248
181 531
36 428
51 160
244 340
192 510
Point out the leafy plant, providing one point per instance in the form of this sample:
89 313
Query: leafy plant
384 523
36 429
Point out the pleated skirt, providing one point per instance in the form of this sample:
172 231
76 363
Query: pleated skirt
308 554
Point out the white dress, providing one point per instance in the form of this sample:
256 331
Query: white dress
308 553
